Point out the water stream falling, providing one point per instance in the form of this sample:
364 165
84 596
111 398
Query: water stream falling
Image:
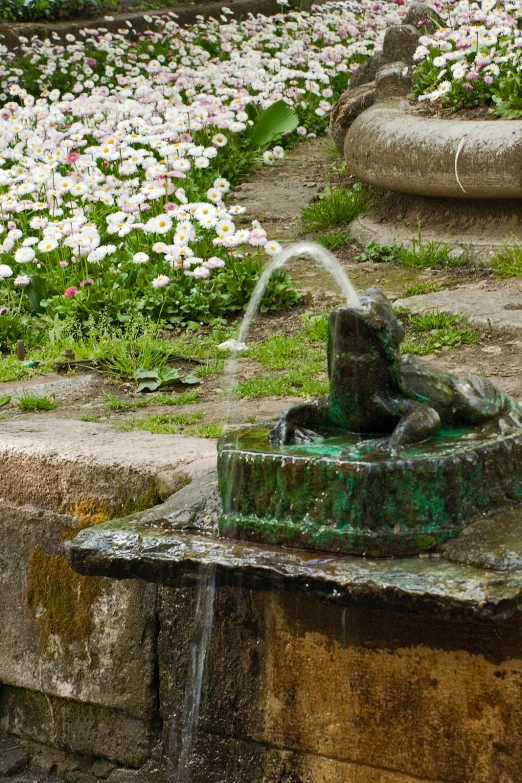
199 646
204 612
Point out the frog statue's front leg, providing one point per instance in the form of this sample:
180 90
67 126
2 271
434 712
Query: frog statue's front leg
299 424
417 422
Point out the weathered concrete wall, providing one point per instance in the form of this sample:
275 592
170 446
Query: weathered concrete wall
300 692
78 654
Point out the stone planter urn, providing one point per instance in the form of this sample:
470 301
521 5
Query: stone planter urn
456 180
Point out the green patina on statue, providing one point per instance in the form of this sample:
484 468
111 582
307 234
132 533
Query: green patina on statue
398 458
374 390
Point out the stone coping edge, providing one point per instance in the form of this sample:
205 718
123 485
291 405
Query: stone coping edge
391 149
184 14
173 545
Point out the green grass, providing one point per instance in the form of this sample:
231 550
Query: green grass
508 261
185 398
424 255
334 240
435 331
335 207
92 419
421 255
421 288
11 369
30 403
180 424
287 385
115 404
294 365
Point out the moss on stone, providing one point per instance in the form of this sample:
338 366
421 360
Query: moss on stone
60 600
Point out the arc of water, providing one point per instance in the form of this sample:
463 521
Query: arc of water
319 253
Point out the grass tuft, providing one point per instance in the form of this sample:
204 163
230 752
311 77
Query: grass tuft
435 331
30 403
508 261
421 288
334 240
180 424
335 207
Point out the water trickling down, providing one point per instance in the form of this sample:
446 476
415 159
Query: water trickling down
203 621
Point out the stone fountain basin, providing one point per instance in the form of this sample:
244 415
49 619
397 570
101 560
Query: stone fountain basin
176 544
330 495
392 149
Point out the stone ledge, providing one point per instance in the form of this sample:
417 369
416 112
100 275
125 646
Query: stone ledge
491 304
61 464
175 546
89 729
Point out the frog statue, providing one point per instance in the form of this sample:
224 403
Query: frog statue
376 391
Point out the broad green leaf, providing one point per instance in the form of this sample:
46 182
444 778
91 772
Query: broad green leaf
142 373
191 379
274 121
149 386
5 400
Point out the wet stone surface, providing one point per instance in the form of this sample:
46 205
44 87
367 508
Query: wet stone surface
175 546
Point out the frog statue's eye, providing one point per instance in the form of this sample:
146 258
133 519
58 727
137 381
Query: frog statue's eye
382 311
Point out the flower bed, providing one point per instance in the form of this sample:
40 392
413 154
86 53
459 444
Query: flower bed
117 153
476 59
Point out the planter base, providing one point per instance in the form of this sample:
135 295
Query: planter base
480 227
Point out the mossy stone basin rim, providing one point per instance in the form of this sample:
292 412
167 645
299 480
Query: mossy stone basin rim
328 496
391 148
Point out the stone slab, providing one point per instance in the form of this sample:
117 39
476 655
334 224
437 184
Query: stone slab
83 728
62 464
87 640
13 757
479 227
51 385
497 305
78 651
176 545
297 691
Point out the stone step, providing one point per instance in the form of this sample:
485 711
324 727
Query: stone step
80 467
491 304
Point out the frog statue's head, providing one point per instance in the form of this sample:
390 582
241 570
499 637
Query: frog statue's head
363 354
372 328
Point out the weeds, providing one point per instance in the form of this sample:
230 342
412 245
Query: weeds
185 398
113 403
11 369
31 403
508 261
435 331
421 288
180 424
334 240
335 207
421 255
92 419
